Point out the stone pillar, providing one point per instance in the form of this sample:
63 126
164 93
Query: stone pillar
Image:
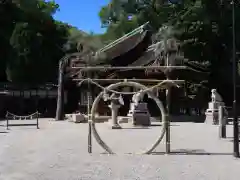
114 108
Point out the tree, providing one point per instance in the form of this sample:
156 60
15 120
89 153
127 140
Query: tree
121 17
33 40
203 28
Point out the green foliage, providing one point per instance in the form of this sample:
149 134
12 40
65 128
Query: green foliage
209 25
204 28
32 40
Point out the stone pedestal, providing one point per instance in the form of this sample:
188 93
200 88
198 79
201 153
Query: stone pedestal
78 118
114 120
212 112
122 120
140 114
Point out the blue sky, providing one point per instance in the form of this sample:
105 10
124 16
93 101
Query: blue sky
81 13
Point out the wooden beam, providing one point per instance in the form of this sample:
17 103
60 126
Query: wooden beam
134 80
4 92
88 68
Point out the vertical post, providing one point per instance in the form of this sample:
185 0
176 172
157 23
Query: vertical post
60 95
89 136
7 122
89 121
222 122
37 120
234 71
168 120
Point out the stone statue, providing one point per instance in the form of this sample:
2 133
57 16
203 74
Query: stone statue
121 101
138 97
213 108
113 97
139 111
215 96
116 102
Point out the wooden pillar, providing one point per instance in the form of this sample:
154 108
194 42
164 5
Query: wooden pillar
37 120
222 122
60 96
89 93
168 94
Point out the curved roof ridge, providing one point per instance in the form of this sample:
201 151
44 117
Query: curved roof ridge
137 30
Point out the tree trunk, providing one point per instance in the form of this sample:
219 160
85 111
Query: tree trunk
60 97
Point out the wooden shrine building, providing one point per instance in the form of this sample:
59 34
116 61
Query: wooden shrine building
137 49
133 49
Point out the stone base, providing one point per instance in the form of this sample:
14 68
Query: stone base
141 107
123 120
212 112
139 114
215 105
117 126
212 118
76 118
142 119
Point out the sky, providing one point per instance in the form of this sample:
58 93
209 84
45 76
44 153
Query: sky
82 14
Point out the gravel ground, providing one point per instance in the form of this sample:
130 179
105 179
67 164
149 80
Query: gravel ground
58 151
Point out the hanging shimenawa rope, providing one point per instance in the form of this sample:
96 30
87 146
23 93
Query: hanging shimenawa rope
130 93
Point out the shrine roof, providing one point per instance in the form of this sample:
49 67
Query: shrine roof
148 57
134 49
125 43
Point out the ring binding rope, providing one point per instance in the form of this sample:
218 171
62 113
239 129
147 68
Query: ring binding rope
144 89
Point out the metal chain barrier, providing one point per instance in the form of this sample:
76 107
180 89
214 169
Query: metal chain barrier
10 116
17 117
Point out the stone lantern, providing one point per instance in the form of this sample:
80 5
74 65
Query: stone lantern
114 106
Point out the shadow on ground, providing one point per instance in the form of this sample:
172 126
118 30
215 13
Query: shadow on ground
191 152
135 128
153 125
186 152
147 127
230 139
233 140
188 118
